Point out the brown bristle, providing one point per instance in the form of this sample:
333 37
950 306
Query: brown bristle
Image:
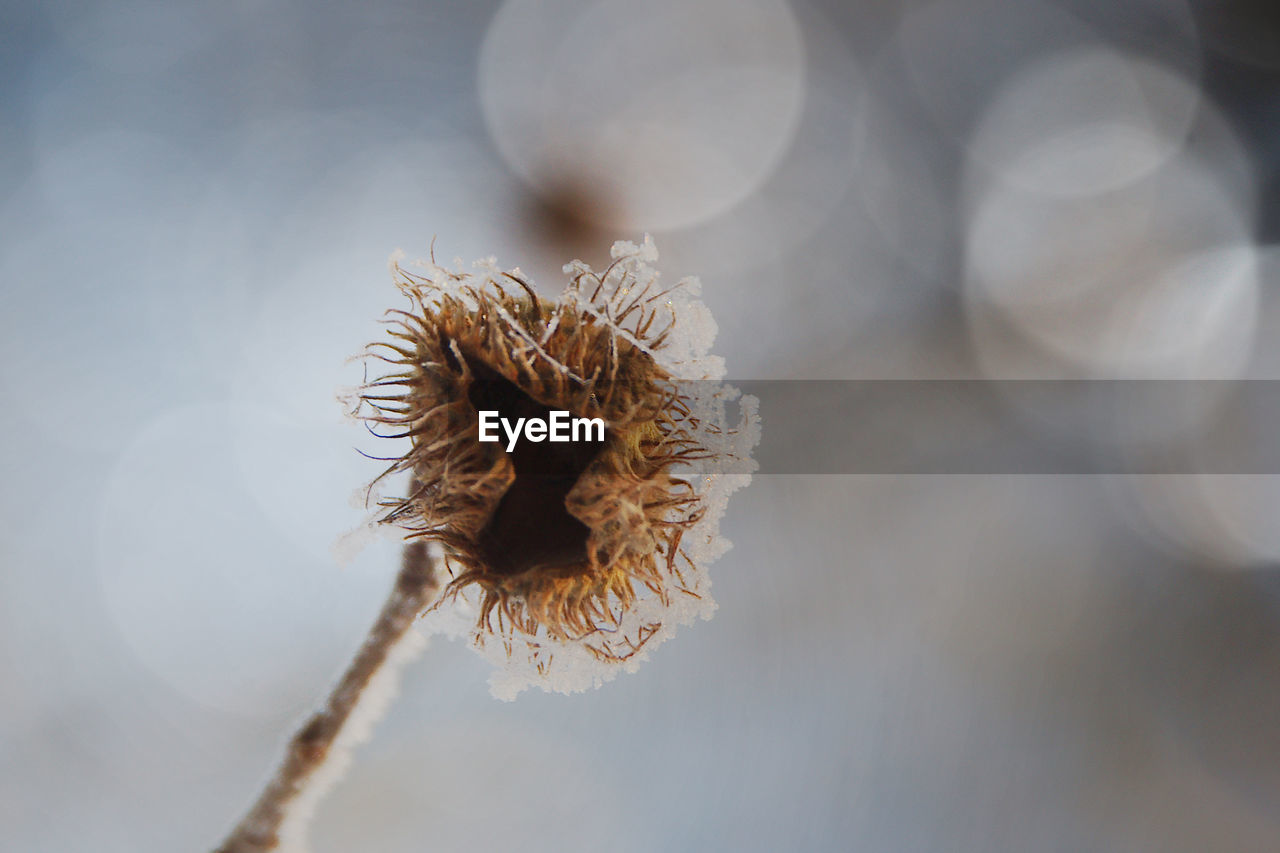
557 536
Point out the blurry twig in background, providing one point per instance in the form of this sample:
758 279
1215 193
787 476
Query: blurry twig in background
320 751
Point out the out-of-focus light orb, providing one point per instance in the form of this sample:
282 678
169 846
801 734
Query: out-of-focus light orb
1155 280
811 181
1228 519
1198 317
1224 521
1084 122
953 63
1244 511
958 55
676 111
201 587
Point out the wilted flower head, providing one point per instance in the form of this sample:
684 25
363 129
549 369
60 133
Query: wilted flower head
575 557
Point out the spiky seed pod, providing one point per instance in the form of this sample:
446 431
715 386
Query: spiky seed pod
561 541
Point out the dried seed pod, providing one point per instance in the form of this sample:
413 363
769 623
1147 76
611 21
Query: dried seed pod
574 555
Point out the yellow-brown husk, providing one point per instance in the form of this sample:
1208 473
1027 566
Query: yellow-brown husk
584 353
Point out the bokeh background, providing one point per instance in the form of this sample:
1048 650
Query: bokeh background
197 204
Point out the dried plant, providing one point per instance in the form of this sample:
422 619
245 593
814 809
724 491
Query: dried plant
566 561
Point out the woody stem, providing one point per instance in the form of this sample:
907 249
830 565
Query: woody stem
314 742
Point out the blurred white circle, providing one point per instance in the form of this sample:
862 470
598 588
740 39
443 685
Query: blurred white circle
305 476
811 181
1230 518
1244 508
675 111
958 55
1198 317
1224 520
1158 279
955 64
1084 122
202 588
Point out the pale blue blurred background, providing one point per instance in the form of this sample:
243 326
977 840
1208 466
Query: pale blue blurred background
197 204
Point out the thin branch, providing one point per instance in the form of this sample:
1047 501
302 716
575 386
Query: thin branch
318 741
